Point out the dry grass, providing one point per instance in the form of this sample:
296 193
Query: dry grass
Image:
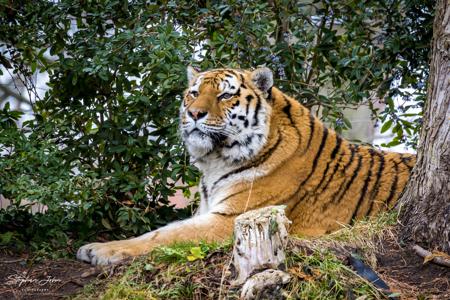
365 236
318 267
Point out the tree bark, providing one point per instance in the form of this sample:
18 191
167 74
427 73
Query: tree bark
425 204
260 238
265 285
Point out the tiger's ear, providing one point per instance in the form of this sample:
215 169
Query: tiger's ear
191 73
263 79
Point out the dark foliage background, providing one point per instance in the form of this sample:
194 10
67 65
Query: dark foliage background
103 153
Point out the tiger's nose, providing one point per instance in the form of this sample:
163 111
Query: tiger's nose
197 114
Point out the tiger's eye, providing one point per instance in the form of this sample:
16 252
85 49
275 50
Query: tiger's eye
225 96
194 94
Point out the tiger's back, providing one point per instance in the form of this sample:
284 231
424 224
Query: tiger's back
323 179
340 181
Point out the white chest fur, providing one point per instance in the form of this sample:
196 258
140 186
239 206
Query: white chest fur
218 180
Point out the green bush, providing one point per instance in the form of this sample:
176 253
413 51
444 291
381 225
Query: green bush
103 153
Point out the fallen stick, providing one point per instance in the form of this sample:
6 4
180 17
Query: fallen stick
12 261
435 259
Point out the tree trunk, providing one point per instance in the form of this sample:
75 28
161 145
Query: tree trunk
425 211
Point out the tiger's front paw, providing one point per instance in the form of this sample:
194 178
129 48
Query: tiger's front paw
106 253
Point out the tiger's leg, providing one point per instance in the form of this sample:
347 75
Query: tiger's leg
208 227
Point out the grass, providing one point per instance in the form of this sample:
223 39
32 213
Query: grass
179 271
321 275
365 236
200 271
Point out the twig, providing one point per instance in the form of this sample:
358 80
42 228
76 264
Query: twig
437 260
224 271
251 188
12 261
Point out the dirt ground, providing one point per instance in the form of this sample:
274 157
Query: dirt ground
20 278
400 267
404 272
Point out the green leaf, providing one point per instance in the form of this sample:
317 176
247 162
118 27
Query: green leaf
386 126
394 295
106 223
347 122
196 253
5 238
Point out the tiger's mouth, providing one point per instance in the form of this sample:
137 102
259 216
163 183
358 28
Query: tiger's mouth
217 138
197 130
200 142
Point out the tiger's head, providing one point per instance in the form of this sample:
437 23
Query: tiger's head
226 112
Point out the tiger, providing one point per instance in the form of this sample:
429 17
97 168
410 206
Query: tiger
256 146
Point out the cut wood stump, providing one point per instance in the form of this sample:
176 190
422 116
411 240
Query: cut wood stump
265 285
260 240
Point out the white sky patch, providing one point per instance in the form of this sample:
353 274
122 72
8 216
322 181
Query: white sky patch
386 137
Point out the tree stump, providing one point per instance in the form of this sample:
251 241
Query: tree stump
260 239
265 285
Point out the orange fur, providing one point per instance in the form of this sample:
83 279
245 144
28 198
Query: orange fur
323 179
